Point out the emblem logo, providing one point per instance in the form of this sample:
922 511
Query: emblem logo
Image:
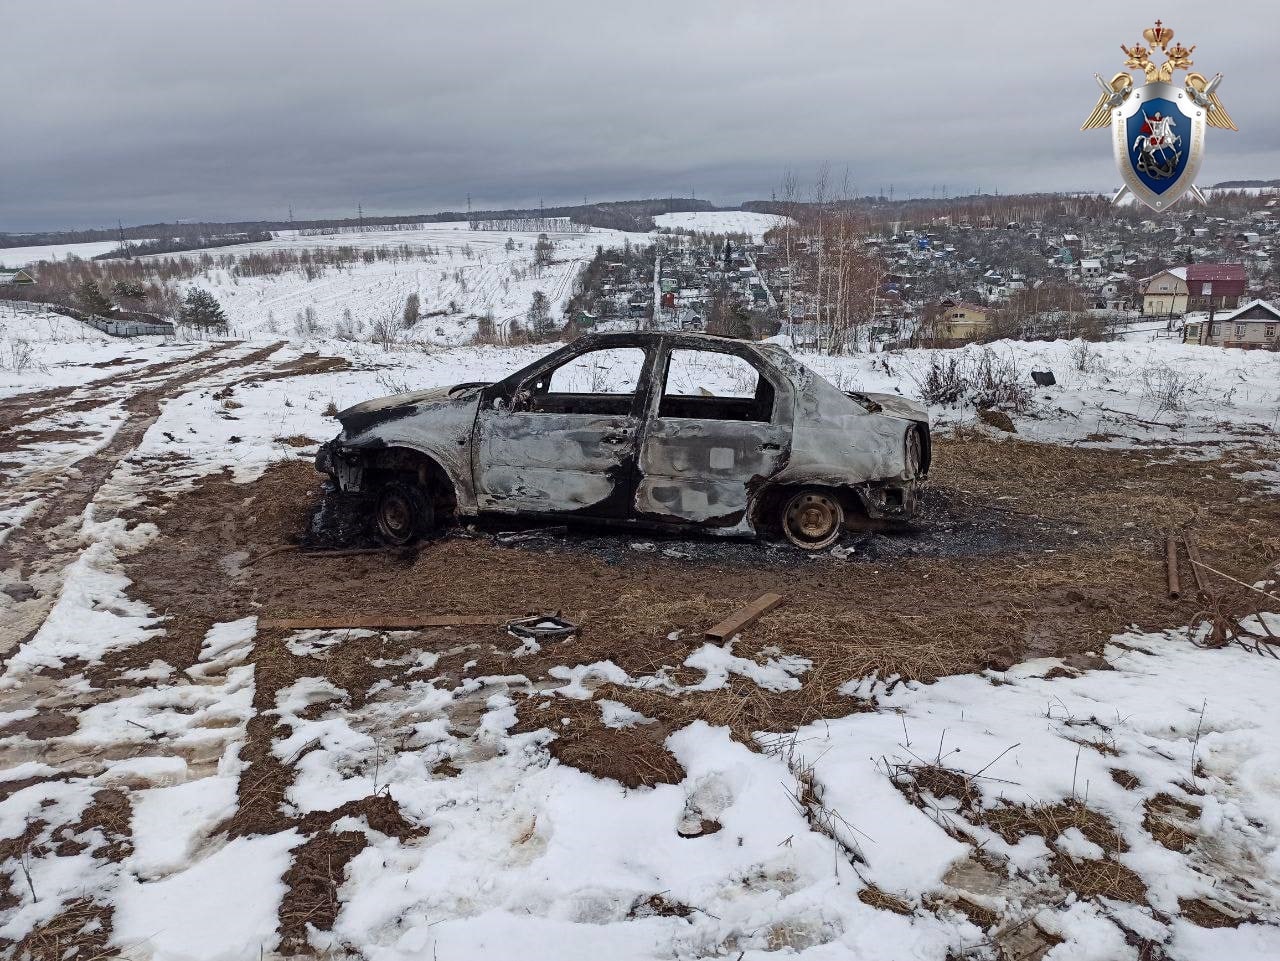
1158 129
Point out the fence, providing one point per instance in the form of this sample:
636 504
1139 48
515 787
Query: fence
127 325
130 328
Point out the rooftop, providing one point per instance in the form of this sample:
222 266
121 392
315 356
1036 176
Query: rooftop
1214 272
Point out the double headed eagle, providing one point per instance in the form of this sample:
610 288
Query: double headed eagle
1201 91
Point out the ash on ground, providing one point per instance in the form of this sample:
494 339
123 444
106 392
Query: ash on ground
949 524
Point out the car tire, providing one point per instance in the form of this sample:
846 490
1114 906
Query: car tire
812 519
403 513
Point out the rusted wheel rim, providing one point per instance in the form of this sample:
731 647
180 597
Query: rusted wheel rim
394 515
812 519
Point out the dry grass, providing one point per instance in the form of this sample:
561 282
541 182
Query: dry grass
1126 779
1015 821
632 756
311 887
1087 877
873 896
1206 915
1161 817
1101 878
921 617
296 440
81 930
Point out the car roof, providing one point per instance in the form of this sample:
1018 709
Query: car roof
631 336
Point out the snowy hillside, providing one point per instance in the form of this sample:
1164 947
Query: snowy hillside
11 257
458 274
721 222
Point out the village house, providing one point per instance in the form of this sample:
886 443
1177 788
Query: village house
1215 286
961 321
1165 294
16 278
1252 326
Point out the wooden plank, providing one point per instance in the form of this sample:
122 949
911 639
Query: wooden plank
384 623
1193 552
1171 566
743 617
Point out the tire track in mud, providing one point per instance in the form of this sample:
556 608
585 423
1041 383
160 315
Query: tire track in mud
33 555
20 410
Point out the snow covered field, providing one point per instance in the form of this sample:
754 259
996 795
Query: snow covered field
721 221
465 275
11 257
127 770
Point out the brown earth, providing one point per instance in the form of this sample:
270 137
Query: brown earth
916 616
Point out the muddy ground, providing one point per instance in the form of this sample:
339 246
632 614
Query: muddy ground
1024 549
1021 549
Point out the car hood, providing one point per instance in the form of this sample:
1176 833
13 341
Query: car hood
392 401
369 412
893 404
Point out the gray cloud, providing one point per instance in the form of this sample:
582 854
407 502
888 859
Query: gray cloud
148 111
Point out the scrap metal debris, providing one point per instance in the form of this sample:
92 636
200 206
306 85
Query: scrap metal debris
542 627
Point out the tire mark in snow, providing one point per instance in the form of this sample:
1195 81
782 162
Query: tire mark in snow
38 551
19 410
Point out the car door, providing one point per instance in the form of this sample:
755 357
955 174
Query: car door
564 439
720 424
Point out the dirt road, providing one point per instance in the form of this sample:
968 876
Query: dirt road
46 540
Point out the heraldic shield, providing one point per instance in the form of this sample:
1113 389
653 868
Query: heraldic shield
1158 134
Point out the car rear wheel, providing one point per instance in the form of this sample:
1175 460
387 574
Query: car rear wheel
404 512
812 519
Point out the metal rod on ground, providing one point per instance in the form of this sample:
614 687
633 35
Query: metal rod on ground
1171 562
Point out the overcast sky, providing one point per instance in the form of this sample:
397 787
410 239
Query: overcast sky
154 111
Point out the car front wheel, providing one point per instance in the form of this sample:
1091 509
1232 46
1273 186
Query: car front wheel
403 513
812 519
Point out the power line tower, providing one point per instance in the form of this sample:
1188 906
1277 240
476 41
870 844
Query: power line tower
360 216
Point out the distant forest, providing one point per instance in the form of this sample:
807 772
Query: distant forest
635 215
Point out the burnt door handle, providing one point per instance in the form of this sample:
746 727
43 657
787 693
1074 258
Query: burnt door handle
620 437
770 446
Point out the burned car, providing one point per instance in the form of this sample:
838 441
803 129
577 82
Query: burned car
665 430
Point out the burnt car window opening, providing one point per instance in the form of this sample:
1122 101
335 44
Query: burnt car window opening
712 385
596 382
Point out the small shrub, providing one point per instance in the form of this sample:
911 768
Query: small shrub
305 323
984 379
17 356
393 383
1167 387
385 333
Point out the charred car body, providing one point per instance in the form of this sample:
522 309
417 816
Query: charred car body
620 428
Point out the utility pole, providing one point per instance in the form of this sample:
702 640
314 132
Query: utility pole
291 213
360 216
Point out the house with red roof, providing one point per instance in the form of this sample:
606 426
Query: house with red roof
1180 290
1215 286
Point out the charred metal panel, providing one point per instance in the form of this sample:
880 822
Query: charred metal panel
428 422
552 463
700 471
